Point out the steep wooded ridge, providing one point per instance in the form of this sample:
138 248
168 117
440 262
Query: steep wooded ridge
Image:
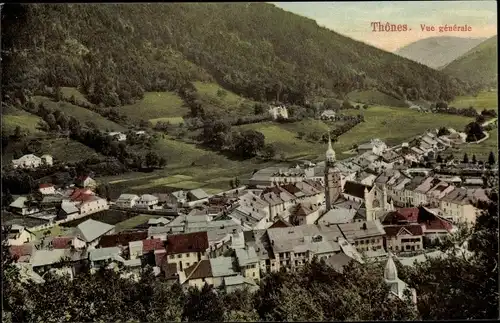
436 52
115 52
478 66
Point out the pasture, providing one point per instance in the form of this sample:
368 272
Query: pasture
155 106
484 100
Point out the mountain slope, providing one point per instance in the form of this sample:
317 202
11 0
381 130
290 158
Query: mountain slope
114 53
478 66
436 52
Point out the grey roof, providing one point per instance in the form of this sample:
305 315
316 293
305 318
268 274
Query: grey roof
161 220
246 256
238 280
148 198
127 197
19 202
259 240
300 239
222 266
92 229
104 253
335 216
179 194
69 207
199 193
355 230
45 257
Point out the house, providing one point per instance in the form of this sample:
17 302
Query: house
248 263
46 189
293 247
67 242
47 160
23 206
27 161
208 271
22 253
127 200
184 250
259 240
143 247
366 236
436 193
67 210
121 239
102 256
86 182
375 146
238 282
147 201
197 195
65 262
91 231
178 197
328 115
457 206
89 204
305 213
404 237
278 112
474 182
19 235
397 288
158 222
119 136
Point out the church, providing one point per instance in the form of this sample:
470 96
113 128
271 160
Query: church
370 202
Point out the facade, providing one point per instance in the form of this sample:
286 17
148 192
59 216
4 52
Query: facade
19 235
278 112
27 161
127 200
47 189
404 238
457 207
184 250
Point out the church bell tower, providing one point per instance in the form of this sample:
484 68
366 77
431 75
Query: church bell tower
333 185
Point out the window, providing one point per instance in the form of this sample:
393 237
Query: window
179 256
187 264
171 256
253 274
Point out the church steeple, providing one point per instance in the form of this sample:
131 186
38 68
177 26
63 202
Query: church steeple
330 153
390 272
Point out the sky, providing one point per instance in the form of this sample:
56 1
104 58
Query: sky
353 19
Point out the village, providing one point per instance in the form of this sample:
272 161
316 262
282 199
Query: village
373 206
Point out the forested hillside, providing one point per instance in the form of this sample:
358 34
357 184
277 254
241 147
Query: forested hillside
478 66
115 52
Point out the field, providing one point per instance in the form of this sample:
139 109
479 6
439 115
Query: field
131 223
484 100
12 117
228 103
68 150
67 92
481 150
395 125
81 114
376 98
155 106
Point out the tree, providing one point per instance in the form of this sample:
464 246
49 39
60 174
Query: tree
236 182
443 131
249 143
203 305
268 151
221 93
346 105
231 183
474 160
331 104
491 158
439 159
152 159
465 159
215 133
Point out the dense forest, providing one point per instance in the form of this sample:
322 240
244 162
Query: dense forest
113 53
451 288
478 66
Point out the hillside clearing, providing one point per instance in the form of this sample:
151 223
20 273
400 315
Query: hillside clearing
81 114
156 105
375 97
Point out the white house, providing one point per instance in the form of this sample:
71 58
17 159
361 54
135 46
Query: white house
47 189
86 181
278 112
19 235
127 200
91 231
92 204
118 136
456 206
147 200
328 115
27 161
47 160
20 206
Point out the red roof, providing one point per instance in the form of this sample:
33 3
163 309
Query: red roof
21 250
188 242
159 258
61 242
409 213
438 224
121 239
152 244
46 185
393 230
